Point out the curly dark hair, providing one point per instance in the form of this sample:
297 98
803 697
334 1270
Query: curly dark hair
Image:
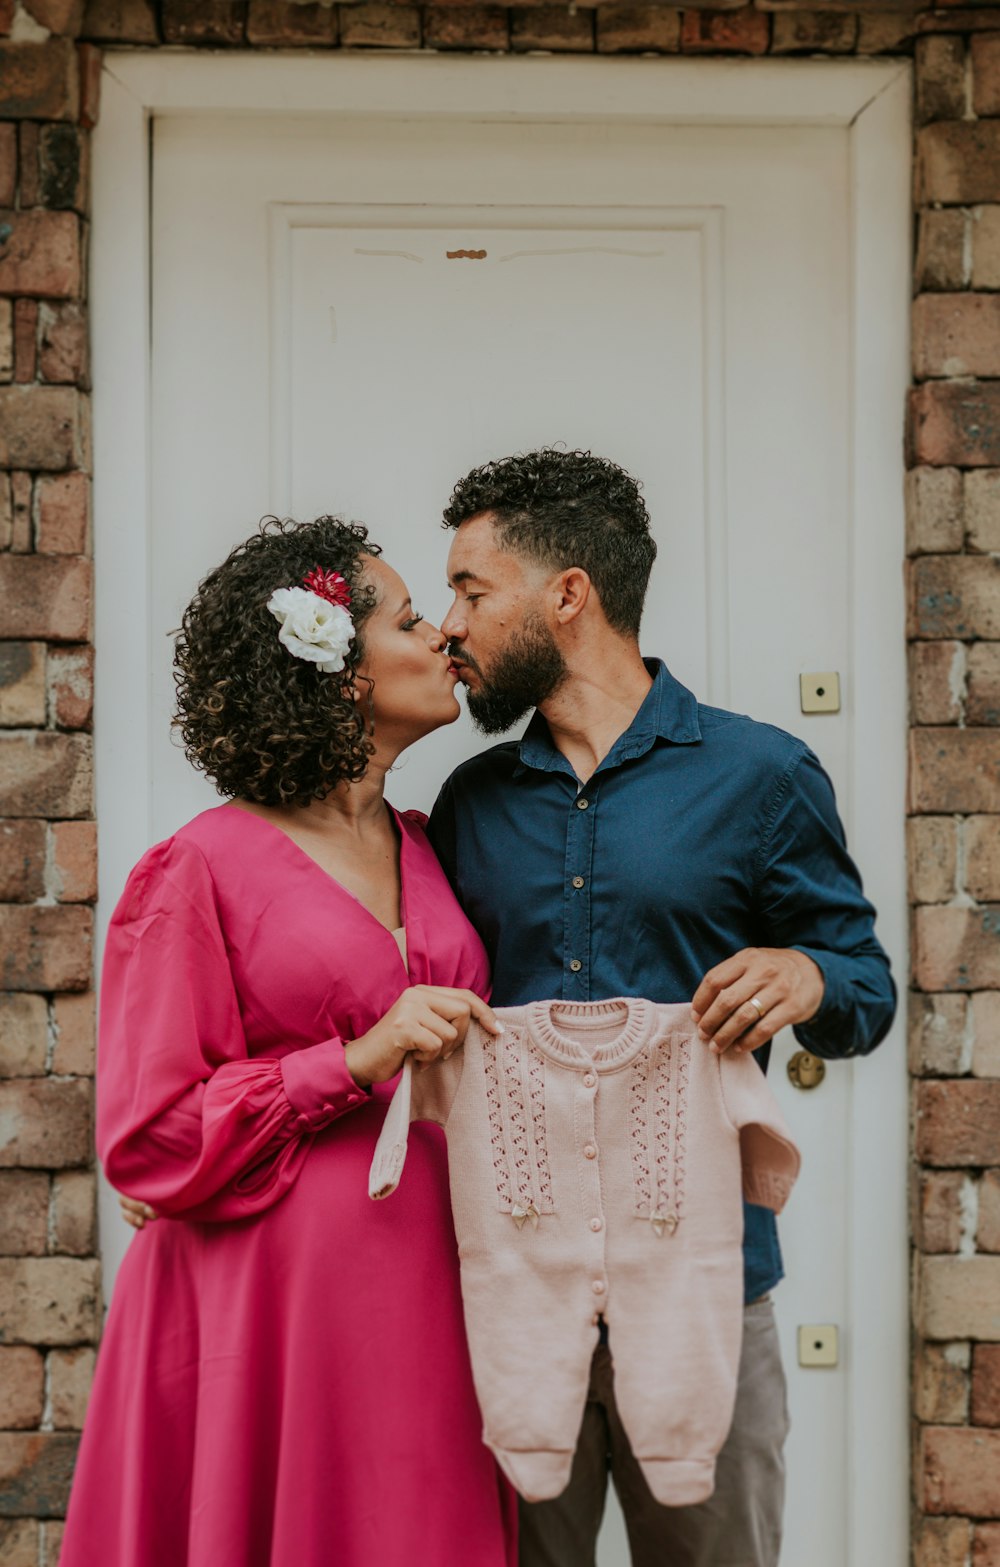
568 509
262 724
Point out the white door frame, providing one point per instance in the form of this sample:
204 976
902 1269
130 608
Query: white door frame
870 100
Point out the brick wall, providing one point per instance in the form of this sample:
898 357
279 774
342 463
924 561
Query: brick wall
49 1274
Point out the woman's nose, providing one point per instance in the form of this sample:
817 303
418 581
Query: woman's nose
437 639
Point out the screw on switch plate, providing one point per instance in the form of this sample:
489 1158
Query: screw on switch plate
818 1344
820 693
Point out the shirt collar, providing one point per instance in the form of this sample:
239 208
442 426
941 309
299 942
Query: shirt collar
669 711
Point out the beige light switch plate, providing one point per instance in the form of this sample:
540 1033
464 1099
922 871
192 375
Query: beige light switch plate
818 1344
820 693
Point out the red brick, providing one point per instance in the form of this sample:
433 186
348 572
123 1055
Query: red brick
985 1060
6 340
120 22
958 1123
24 1034
74 861
36 1469
6 518
985 230
24 1216
28 141
986 74
956 334
204 21
20 494
966 20
22 861
881 31
39 81
63 160
956 949
46 949
71 686
46 1122
25 339
551 27
958 1297
981 503
986 1385
937 1216
983 694
45 596
90 85
50 1536
8 164
22 1387
958 161
62 503
44 427
937 1030
814 32
988 1227
941 259
632 29
63 17
954 770
982 857
74 1027
960 1471
955 596
932 855
728 32
49 1300
281 23
74 1212
941 1542
379 26
986 1547
940 79
71 1372
63 351
22 684
941 1383
937 684
952 423
475 27
41 255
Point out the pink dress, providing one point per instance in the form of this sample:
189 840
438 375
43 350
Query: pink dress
284 1379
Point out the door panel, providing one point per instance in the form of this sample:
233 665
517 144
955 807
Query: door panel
676 299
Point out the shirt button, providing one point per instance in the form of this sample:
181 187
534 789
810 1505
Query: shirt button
577 881
589 1079
575 965
581 805
589 1151
596 1224
598 1286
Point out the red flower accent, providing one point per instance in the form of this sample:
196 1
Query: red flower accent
329 585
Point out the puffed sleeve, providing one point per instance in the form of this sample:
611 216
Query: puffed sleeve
186 1121
769 1157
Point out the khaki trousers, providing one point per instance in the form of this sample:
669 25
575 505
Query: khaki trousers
739 1525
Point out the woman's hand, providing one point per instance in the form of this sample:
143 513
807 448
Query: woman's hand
428 1021
135 1212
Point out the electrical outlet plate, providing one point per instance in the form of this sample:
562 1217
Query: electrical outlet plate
818 1344
820 693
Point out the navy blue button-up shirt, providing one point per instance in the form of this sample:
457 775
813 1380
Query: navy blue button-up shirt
701 832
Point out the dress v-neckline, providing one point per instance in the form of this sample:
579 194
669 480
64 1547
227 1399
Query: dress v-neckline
401 928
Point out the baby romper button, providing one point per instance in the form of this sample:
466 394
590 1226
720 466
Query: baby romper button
598 1286
597 1224
589 1079
589 1152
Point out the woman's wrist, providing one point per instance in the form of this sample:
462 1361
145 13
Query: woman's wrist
355 1056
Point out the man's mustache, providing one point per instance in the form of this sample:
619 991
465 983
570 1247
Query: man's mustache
458 657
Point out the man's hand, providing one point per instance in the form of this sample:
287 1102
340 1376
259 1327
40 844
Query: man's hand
786 983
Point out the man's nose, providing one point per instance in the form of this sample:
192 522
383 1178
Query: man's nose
453 625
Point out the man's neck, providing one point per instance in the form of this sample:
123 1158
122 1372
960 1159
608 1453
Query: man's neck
596 704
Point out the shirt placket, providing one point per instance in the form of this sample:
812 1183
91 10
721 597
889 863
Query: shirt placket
580 830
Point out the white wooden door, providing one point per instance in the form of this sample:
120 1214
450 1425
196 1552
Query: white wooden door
676 298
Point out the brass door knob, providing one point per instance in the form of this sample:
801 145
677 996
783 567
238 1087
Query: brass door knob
805 1070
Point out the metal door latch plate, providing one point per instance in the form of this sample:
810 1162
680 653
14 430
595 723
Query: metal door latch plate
818 1344
820 693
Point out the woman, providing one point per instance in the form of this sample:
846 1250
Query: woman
284 1378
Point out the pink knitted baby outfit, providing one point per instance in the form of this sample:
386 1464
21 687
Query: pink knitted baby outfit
597 1154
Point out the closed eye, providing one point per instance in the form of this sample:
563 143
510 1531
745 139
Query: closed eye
414 620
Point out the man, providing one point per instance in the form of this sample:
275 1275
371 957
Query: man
635 842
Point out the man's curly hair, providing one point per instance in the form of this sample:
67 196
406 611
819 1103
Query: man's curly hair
568 509
262 724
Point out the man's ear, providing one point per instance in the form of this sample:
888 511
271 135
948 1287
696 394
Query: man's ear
571 591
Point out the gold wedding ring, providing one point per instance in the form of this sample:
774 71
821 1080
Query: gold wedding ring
755 1002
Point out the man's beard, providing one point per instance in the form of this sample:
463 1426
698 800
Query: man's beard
527 671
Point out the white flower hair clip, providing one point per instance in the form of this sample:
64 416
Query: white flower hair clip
315 623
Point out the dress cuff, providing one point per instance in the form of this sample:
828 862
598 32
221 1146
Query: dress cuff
318 1084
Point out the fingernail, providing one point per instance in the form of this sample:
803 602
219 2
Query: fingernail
715 1048
695 1015
500 1028
701 1034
